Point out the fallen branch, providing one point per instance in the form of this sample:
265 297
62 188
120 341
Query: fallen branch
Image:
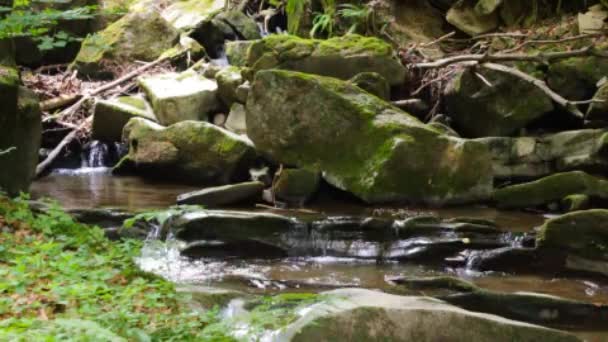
59 102
555 41
537 58
571 106
57 150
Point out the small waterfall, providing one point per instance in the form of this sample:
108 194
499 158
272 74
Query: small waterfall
221 60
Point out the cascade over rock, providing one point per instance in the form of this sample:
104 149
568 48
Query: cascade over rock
360 143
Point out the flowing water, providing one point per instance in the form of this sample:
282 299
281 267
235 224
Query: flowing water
95 188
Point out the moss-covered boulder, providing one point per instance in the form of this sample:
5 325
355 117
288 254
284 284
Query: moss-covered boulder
225 26
140 35
598 111
373 83
182 96
480 110
576 78
468 18
189 151
582 236
341 57
537 156
551 189
20 133
110 116
236 52
366 315
362 144
188 14
296 186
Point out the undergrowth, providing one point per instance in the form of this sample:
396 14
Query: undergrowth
64 281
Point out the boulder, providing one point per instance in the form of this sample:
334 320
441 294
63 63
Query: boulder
222 26
127 40
110 116
21 131
464 16
575 202
598 111
296 186
366 315
223 195
538 156
580 238
182 96
187 151
360 143
576 78
551 189
187 14
373 83
228 80
479 110
237 119
341 57
236 52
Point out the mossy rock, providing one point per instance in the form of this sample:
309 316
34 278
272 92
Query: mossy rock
582 233
140 35
21 129
551 189
110 116
373 83
340 57
599 110
576 78
362 144
189 151
225 26
296 186
236 52
228 80
187 14
479 110
465 16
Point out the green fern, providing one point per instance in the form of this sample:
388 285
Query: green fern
326 21
295 10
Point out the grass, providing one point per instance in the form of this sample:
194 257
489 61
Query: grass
64 281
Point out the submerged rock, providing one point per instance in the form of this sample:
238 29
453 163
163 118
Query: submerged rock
551 189
532 157
223 195
362 144
351 314
110 116
479 110
140 35
341 57
582 236
21 127
183 96
188 151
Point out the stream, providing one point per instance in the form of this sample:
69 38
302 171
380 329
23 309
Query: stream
96 188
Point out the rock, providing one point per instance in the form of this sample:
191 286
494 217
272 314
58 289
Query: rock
599 110
228 80
261 174
110 116
186 15
402 159
178 97
464 16
21 131
341 57
582 236
350 314
219 119
551 189
236 52
127 40
575 202
237 119
222 26
242 92
296 186
501 110
538 156
511 259
226 225
207 298
373 83
223 195
188 151
576 78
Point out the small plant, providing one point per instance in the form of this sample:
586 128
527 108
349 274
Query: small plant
360 17
324 22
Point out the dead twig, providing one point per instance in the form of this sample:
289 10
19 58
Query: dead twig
59 102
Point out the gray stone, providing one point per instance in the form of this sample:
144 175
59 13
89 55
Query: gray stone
296 186
228 80
237 119
236 52
599 110
464 17
110 116
183 96
223 195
